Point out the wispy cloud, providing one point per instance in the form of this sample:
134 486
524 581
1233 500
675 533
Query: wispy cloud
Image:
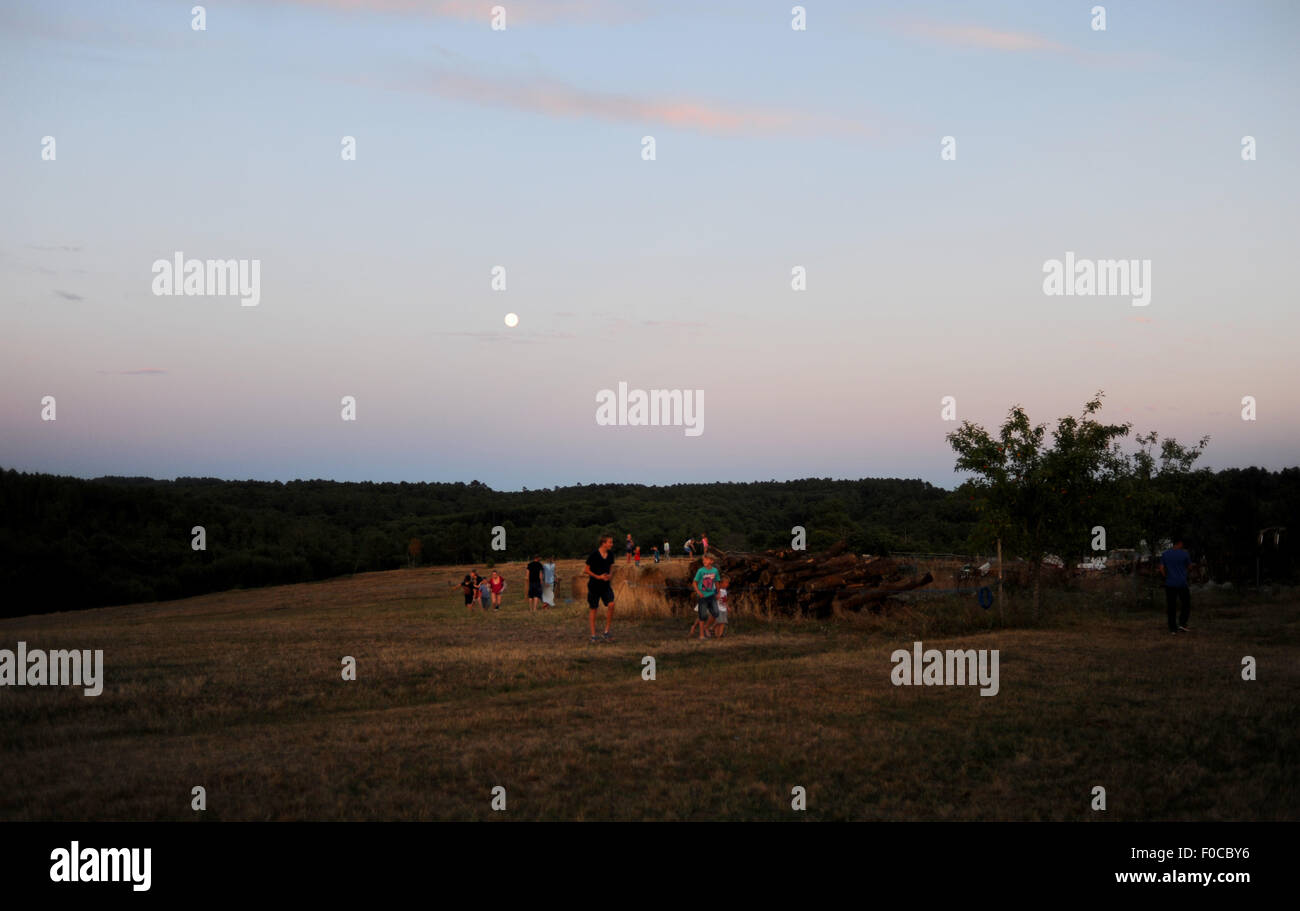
618 325
98 29
143 371
980 36
1013 41
68 295
510 335
554 98
596 12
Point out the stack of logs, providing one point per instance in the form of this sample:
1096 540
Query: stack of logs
798 582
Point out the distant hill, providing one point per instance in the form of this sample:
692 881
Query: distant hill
69 543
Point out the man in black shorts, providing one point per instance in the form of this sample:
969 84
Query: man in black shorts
599 570
534 582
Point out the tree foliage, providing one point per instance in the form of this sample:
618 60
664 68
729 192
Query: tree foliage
70 543
1040 498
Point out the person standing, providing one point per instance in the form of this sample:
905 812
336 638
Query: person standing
720 628
600 570
704 542
1174 564
534 582
498 585
690 548
629 546
469 588
666 550
548 584
706 589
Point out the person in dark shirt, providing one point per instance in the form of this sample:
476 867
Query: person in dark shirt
534 582
470 587
599 570
1174 564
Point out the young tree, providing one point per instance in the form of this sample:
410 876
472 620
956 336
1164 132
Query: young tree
1037 497
1156 490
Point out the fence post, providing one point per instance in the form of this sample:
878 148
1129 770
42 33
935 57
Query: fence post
1000 615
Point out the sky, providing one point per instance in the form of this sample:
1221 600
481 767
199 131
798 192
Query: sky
523 148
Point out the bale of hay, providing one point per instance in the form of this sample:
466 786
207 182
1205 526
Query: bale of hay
647 577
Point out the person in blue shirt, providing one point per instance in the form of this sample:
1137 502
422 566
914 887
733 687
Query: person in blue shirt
1174 564
706 589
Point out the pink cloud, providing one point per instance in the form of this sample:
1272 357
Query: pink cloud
553 98
981 37
517 11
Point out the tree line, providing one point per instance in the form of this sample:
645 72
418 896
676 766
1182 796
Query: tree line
69 543
72 543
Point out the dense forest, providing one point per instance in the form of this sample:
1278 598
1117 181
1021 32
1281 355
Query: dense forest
68 543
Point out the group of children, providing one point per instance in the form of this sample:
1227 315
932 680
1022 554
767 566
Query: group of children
634 550
691 546
542 581
489 590
634 555
711 588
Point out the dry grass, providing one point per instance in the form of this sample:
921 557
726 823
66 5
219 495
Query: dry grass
241 692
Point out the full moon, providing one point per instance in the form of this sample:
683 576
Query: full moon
512 320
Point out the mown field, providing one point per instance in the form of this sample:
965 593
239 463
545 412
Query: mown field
242 693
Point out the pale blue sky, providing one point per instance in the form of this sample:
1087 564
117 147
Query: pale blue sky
521 148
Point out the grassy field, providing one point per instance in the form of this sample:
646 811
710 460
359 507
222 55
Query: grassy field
241 693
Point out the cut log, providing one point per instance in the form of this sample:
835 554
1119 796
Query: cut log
875 595
799 582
